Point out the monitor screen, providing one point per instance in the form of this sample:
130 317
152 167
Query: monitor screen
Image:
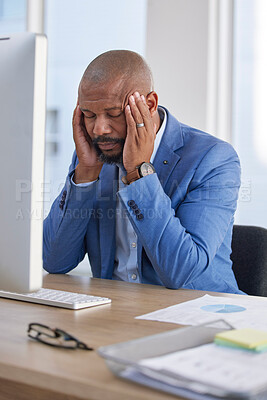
23 61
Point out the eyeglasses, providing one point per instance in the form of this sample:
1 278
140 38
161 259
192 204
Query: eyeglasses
54 337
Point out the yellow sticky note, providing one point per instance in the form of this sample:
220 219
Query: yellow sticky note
247 338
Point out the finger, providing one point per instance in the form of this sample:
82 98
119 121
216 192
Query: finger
79 129
144 111
132 131
131 124
135 111
76 119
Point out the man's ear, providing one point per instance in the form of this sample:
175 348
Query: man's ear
152 102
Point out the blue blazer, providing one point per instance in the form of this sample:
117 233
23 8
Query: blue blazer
187 213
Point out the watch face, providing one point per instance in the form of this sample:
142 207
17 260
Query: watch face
146 169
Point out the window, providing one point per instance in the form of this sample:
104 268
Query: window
12 16
249 108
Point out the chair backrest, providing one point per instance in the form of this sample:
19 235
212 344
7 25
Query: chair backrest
249 256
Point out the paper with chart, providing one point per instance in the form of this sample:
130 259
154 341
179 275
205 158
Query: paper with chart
239 311
237 371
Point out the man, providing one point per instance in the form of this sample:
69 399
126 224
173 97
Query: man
149 199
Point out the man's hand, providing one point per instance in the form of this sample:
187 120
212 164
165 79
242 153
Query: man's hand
89 166
139 143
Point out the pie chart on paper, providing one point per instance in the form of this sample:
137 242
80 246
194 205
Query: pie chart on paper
222 308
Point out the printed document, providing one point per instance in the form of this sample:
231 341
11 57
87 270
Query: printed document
239 312
231 370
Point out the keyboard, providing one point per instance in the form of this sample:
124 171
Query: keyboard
58 298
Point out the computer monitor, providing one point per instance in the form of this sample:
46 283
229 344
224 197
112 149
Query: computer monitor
23 60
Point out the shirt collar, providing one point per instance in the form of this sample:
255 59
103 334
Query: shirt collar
163 117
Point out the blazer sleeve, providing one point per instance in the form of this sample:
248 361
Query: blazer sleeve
65 227
182 236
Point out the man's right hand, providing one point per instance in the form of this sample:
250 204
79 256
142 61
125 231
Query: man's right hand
89 166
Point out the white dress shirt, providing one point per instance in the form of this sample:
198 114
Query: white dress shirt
125 263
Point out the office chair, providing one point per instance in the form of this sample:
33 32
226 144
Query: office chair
249 256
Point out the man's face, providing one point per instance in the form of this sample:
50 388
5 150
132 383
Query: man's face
103 107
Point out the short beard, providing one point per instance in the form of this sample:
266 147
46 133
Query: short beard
105 158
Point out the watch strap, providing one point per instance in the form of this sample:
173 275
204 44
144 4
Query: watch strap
131 176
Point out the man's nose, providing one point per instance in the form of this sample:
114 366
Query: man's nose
101 126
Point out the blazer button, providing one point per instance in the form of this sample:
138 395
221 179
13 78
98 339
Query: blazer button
137 211
131 203
140 217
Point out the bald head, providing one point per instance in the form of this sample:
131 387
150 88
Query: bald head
106 91
122 65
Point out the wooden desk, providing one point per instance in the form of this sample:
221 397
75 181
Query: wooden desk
33 371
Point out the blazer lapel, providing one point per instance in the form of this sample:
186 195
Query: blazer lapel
165 161
166 157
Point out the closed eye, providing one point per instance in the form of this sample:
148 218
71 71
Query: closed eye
115 116
89 116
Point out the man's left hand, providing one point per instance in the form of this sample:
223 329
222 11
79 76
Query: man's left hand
139 143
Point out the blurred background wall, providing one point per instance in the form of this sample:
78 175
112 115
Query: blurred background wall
209 59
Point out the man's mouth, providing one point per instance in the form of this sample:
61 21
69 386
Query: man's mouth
108 146
108 143
108 149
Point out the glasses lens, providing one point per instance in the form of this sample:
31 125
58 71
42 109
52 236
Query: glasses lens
59 342
38 329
